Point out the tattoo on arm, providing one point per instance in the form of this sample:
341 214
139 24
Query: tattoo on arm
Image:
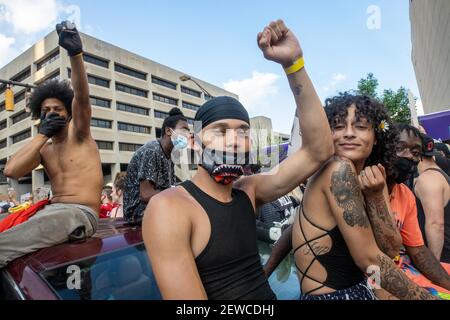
384 228
395 281
345 188
425 261
379 210
298 90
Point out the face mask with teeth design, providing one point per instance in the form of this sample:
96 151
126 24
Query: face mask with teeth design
224 167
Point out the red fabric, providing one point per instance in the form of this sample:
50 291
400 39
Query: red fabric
105 210
17 218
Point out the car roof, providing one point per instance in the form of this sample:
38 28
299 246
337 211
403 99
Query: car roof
111 235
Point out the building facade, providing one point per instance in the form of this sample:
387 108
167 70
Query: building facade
430 37
130 97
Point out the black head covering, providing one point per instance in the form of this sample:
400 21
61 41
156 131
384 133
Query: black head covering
220 108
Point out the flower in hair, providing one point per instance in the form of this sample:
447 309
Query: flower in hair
383 126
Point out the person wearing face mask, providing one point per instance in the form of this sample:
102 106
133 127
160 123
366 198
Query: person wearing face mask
65 148
201 235
415 258
335 236
396 229
412 255
151 169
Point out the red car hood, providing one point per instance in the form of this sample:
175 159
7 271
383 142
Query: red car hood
110 236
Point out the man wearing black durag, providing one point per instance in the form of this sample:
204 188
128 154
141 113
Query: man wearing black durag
201 235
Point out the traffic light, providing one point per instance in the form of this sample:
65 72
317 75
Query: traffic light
9 100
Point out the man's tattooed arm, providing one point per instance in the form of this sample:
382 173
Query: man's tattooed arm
384 229
347 203
425 261
397 283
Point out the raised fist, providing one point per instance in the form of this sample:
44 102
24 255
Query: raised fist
69 38
279 44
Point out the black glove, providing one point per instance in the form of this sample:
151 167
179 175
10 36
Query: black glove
69 38
51 124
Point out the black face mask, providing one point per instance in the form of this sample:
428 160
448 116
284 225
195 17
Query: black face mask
404 168
224 167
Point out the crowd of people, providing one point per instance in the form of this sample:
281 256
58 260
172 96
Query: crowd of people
363 205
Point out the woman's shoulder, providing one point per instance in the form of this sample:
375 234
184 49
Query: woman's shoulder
338 170
337 166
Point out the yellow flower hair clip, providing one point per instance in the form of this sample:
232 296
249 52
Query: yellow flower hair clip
384 126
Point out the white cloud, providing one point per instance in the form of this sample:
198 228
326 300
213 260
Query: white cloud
72 13
23 22
29 16
339 77
6 48
32 16
3 12
335 80
253 92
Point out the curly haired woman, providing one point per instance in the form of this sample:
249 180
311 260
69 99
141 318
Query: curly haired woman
334 244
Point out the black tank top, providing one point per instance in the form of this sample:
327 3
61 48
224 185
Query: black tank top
342 272
229 266
445 256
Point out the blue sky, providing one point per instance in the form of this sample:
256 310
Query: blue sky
216 41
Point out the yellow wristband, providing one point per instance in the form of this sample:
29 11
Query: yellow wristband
79 54
298 65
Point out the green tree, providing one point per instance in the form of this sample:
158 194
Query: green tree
368 86
397 102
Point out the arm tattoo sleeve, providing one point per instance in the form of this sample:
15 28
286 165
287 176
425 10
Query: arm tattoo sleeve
345 188
395 281
425 261
383 226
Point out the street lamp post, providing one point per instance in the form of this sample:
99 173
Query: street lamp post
9 101
19 84
187 78
9 94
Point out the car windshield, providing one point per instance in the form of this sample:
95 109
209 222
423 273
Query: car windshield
121 275
127 275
